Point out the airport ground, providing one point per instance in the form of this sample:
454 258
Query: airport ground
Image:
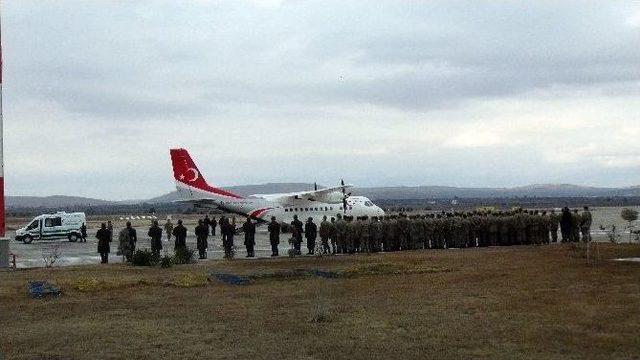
533 302
31 255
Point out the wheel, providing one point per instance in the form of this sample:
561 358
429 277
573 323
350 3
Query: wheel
27 239
73 237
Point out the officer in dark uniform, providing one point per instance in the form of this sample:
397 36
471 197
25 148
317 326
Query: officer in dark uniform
249 229
133 237
104 238
297 233
311 233
202 233
155 233
180 234
274 235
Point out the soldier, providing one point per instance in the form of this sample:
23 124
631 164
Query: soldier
110 229
365 235
311 233
274 236
325 233
403 232
155 233
223 221
376 232
585 224
104 238
180 233
168 228
544 227
333 235
228 231
535 228
202 233
207 222
554 223
341 232
415 233
214 224
352 236
124 243
565 224
521 227
575 226
83 233
296 232
249 229
493 230
390 234
133 237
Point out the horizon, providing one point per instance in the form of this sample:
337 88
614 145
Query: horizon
323 186
461 93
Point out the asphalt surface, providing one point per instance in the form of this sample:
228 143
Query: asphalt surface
31 255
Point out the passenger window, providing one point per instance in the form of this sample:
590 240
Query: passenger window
331 208
50 222
316 209
306 209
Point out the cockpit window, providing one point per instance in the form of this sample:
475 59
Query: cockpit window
368 203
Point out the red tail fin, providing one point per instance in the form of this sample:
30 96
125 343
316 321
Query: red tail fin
186 172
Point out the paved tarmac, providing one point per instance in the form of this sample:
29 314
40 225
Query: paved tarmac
31 255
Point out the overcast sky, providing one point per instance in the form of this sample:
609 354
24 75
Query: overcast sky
458 93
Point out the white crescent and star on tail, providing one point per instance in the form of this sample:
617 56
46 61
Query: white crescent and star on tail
193 171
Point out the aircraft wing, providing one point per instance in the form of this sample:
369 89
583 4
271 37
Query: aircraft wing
312 195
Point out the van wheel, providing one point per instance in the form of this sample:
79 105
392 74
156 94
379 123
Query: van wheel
27 239
73 237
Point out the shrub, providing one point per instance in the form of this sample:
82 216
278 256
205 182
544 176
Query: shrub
629 215
166 261
184 255
144 258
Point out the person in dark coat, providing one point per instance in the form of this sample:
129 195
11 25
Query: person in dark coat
214 223
228 230
133 237
565 224
249 229
297 231
274 235
155 233
311 233
180 233
104 238
83 233
202 233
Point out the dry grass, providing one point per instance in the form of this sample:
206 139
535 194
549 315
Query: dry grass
495 303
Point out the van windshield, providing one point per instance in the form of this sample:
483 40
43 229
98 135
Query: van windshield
33 225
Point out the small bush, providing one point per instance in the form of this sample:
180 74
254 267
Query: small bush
145 258
629 215
184 256
166 261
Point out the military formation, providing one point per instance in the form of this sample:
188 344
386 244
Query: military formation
349 235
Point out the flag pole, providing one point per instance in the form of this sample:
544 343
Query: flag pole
2 204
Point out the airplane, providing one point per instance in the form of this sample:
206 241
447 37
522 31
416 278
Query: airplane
193 188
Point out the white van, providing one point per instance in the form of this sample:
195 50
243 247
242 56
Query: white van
52 226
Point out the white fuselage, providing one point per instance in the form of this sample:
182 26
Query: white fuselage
263 208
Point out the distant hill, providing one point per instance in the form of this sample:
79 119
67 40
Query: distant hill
52 202
374 193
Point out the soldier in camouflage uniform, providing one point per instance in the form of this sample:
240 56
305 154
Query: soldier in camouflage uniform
575 226
544 227
365 235
376 234
554 224
429 231
403 232
341 234
492 229
333 235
